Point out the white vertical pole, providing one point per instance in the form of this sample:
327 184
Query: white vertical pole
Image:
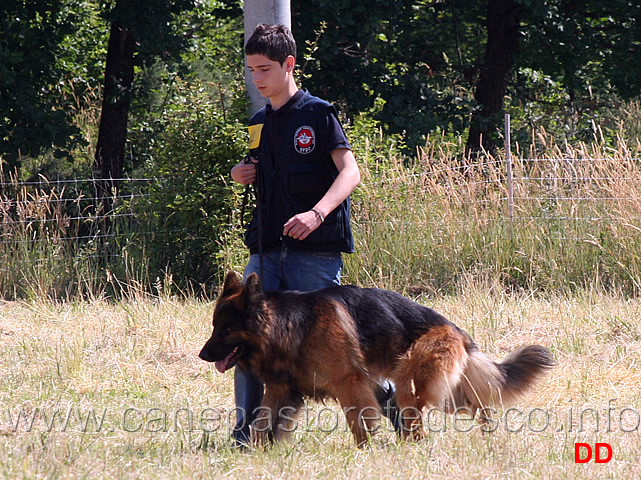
510 185
262 11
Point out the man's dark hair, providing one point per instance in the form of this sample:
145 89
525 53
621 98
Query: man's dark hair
276 42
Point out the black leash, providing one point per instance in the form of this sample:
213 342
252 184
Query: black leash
259 218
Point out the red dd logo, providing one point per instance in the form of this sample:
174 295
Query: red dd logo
304 140
587 448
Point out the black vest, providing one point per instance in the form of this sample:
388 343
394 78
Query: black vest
295 181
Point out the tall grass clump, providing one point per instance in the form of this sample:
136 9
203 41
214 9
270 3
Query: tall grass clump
54 244
429 223
39 256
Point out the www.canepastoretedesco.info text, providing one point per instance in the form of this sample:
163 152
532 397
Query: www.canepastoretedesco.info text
608 417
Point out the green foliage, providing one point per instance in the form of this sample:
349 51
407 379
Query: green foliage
542 103
423 59
212 54
420 57
215 33
402 72
33 117
585 45
83 51
401 52
575 69
191 203
155 23
369 144
187 130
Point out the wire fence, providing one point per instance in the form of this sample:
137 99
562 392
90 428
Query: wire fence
572 194
568 199
71 211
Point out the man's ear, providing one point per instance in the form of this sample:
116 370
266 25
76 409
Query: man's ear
233 284
290 63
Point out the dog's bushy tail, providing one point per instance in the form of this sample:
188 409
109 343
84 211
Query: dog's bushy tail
486 383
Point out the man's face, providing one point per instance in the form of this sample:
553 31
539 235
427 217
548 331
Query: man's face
270 77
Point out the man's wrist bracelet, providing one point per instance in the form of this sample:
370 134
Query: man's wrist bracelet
319 215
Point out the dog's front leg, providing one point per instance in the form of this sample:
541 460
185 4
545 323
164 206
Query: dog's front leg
262 427
277 415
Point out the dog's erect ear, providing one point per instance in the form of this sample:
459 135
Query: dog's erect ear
253 296
233 284
253 287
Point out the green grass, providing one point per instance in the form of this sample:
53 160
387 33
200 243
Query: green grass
124 378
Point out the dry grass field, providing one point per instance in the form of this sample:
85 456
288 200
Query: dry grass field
113 388
102 389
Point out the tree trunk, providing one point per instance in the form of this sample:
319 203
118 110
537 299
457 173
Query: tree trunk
112 133
503 22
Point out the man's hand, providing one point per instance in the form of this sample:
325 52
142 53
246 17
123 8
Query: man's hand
301 225
244 173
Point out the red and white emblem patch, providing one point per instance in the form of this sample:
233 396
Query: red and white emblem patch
304 139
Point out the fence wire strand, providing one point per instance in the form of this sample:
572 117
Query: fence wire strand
568 184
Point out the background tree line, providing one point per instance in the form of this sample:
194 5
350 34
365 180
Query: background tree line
451 64
172 103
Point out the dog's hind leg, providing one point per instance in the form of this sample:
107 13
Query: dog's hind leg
427 374
410 410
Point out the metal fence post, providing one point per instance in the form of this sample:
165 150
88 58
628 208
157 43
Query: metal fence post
510 185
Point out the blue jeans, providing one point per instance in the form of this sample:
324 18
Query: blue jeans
286 269
283 269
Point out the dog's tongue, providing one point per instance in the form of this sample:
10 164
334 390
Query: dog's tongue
221 365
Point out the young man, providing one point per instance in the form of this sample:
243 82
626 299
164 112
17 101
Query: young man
305 171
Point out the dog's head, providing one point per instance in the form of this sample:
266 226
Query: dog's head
238 315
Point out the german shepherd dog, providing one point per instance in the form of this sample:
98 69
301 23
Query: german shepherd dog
339 341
